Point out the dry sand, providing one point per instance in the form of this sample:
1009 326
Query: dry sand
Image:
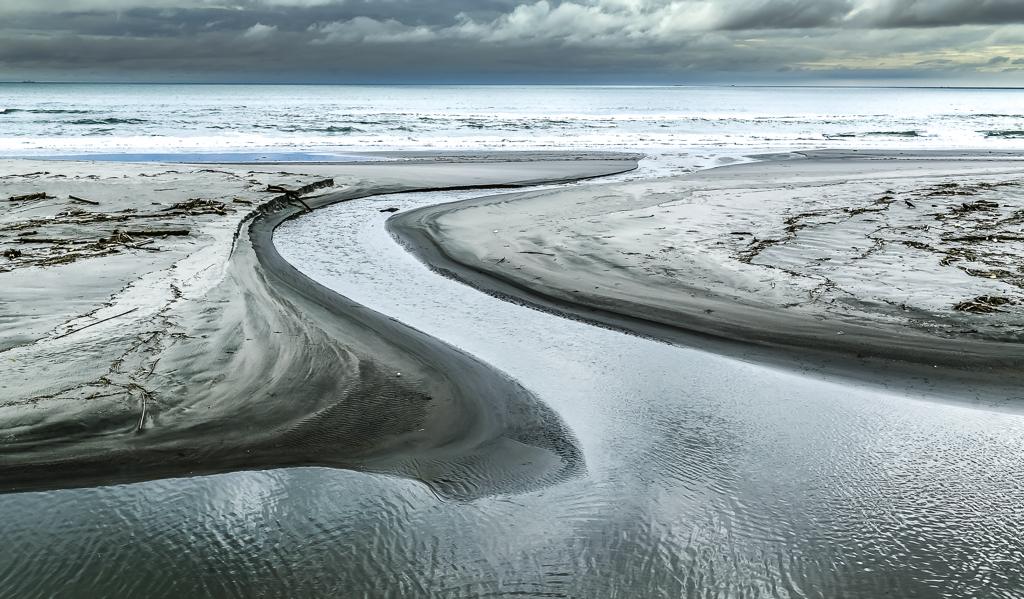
127 355
867 261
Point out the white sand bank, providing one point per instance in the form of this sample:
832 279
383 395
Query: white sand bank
915 258
206 352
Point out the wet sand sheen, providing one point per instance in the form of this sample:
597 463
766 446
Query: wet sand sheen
266 368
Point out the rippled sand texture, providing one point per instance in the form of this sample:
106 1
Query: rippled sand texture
223 357
885 255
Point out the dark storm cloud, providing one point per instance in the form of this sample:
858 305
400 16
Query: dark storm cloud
144 21
499 40
788 14
932 13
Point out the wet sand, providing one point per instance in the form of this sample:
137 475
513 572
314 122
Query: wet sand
128 360
894 268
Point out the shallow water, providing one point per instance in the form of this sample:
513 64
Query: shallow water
706 477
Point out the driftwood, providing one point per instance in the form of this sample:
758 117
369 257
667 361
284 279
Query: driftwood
44 240
30 196
142 418
196 206
293 194
92 324
155 233
315 186
999 236
984 304
145 400
143 245
78 199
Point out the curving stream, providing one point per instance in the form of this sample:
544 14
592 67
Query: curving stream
705 476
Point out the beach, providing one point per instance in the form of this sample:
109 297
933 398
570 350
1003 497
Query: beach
498 340
869 261
167 338
253 376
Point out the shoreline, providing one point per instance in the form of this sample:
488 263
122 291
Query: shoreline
430 423
692 314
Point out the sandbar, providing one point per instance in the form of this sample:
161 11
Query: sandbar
149 329
858 263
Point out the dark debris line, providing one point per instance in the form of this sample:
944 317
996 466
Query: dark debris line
984 304
958 250
65 250
60 243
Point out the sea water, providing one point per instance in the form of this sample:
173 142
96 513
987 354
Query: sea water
326 120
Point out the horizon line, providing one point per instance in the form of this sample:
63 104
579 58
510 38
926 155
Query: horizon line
744 85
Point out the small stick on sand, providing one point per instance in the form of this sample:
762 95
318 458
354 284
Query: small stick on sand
156 233
31 196
78 199
142 419
43 240
143 245
92 324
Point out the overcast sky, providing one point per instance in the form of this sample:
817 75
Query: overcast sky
934 42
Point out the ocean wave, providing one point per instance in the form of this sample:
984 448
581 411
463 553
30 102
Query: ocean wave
335 129
894 133
1004 134
108 121
43 111
300 128
530 124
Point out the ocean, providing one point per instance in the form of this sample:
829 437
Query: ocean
324 122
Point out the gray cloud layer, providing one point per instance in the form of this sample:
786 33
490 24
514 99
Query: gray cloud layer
505 40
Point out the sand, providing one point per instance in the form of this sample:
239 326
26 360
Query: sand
856 262
127 360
